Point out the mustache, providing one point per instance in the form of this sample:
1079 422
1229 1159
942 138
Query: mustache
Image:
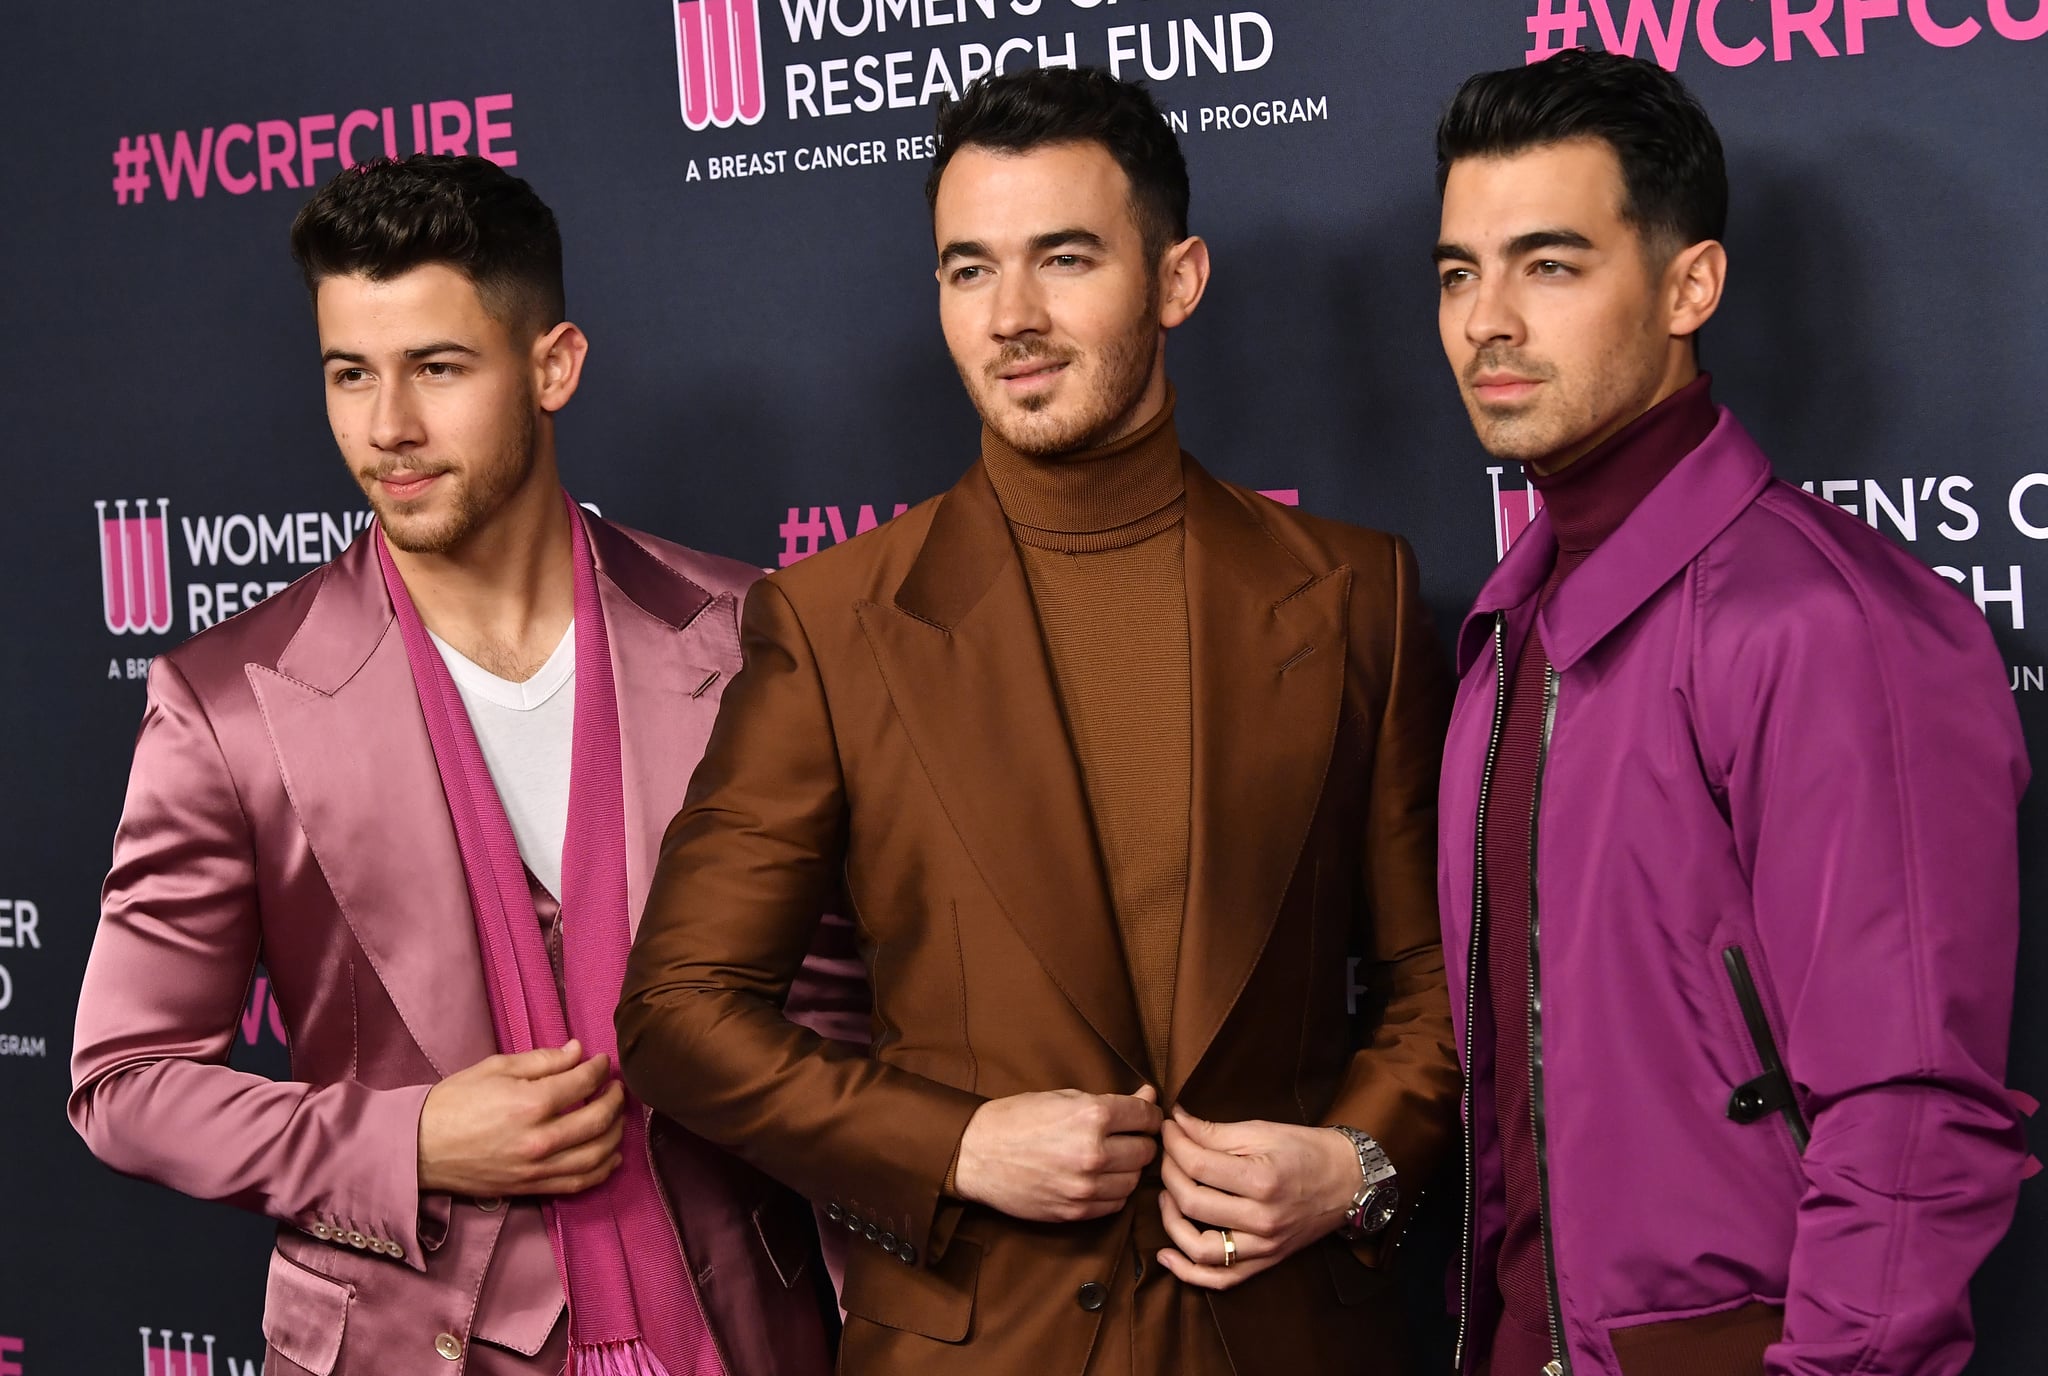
1028 351
385 468
1501 360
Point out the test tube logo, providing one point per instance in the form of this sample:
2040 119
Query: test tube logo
135 567
718 62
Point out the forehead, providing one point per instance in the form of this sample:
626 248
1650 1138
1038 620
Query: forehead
433 299
993 196
1573 185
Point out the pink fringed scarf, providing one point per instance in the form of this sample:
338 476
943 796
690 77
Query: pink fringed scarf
632 1309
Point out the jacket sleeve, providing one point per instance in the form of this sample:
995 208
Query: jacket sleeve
1873 770
757 852
1402 1086
170 971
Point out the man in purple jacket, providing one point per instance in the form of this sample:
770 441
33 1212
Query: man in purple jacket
1729 862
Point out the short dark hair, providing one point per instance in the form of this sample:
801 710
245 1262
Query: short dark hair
1675 181
1044 106
384 218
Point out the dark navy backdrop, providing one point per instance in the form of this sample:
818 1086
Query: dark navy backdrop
766 367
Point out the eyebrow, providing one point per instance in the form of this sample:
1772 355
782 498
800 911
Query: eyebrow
443 346
1521 244
1057 238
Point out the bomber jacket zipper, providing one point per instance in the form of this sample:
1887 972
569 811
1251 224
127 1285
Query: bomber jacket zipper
1771 1090
1500 712
1561 1363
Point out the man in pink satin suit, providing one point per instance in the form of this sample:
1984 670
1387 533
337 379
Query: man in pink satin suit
452 1179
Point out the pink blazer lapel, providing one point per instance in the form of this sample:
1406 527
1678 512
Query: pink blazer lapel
351 745
674 646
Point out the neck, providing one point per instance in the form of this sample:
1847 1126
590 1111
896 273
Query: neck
505 596
1588 501
1104 490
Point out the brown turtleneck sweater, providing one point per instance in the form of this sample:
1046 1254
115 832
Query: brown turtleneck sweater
1101 536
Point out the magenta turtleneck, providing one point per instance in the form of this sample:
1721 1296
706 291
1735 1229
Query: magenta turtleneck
1586 502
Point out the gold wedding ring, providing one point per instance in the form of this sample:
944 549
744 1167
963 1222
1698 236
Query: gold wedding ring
1229 1249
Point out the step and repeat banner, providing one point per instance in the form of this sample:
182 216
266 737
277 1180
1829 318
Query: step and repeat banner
739 187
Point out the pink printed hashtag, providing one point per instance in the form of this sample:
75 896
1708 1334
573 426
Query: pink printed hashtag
1552 30
131 171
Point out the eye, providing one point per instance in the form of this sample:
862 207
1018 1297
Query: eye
1550 267
348 377
961 277
440 369
1066 261
1454 277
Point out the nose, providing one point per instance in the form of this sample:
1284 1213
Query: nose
395 423
1491 317
1019 307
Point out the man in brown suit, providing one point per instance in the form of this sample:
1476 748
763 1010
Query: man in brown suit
1117 763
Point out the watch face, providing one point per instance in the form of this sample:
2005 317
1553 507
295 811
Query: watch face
1379 1211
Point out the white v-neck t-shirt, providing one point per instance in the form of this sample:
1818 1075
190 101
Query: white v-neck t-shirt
527 733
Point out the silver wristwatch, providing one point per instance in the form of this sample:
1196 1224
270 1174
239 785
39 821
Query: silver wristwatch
1378 1197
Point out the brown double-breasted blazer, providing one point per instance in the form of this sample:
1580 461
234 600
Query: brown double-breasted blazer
896 733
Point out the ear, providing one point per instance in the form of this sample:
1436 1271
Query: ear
1693 284
1183 277
558 365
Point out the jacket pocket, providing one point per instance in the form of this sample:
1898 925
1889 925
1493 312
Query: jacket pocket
1728 1343
1771 1091
931 1301
789 1235
305 1314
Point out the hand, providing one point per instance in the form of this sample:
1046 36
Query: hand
522 1125
1276 1186
1057 1157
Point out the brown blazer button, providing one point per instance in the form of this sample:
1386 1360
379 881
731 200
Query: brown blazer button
449 1346
1092 1296
874 1233
833 1211
889 1243
907 1254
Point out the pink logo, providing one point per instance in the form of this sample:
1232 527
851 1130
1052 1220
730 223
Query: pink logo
718 60
135 567
1513 511
175 1358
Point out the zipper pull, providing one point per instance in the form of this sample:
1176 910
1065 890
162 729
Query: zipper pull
1553 1368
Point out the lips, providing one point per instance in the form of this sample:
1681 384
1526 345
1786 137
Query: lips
1499 388
405 485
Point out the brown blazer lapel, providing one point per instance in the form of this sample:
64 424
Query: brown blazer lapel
1267 655
965 666
345 722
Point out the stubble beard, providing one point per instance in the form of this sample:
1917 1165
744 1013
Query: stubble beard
477 494
1566 414
1114 389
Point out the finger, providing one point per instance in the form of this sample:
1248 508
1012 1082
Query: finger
1250 1175
1196 1244
575 1184
1220 1136
538 1063
593 1119
1148 1093
1112 1187
579 1157
1128 1152
1212 1277
571 1087
1213 1207
1131 1113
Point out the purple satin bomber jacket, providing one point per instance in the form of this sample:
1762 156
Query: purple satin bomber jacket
1780 742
